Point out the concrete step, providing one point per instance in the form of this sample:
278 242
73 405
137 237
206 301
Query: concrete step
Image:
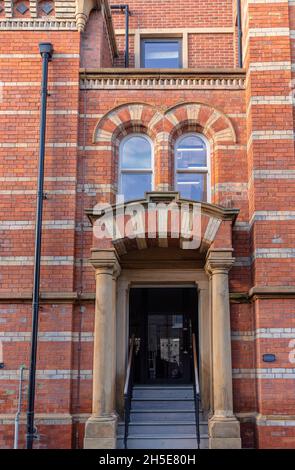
171 442
162 416
163 393
163 429
167 405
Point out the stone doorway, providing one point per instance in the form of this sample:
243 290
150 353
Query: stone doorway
162 321
132 263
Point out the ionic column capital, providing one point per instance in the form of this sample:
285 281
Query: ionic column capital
105 262
219 262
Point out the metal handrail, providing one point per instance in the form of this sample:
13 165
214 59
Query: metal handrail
128 390
196 388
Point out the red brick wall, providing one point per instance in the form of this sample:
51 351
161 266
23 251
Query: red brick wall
74 165
191 14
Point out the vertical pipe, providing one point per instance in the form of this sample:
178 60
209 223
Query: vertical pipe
19 407
240 34
124 8
127 36
46 54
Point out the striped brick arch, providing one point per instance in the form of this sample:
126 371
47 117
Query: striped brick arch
134 116
214 124
163 127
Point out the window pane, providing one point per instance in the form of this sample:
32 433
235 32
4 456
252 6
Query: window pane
161 54
133 186
192 186
191 153
136 153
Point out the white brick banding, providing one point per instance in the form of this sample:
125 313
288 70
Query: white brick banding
32 145
273 135
48 336
48 374
241 226
273 174
265 373
269 66
270 253
30 224
263 333
231 187
37 84
10 192
29 260
266 32
269 100
37 56
272 215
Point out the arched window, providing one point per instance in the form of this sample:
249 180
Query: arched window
136 166
192 170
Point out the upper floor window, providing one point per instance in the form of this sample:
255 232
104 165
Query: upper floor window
192 168
136 167
159 53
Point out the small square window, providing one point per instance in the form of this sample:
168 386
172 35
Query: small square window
161 53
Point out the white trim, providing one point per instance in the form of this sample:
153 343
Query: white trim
136 170
203 170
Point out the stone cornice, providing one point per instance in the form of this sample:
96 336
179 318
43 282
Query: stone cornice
37 24
117 78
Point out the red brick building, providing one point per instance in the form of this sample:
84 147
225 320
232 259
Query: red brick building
182 122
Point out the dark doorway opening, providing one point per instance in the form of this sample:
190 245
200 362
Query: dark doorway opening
163 319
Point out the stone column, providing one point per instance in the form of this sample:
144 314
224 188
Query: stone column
101 427
224 428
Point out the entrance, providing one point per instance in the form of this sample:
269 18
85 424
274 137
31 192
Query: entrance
162 319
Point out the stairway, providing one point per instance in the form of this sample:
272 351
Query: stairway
163 417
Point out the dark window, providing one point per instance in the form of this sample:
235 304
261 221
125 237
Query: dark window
161 53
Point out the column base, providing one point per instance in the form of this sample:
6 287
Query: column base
224 433
101 432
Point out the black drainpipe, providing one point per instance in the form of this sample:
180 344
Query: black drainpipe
46 50
125 9
240 33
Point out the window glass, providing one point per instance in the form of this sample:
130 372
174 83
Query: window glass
161 53
136 153
192 186
134 185
191 153
191 167
136 175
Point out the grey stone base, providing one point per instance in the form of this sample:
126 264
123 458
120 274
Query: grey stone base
224 433
101 432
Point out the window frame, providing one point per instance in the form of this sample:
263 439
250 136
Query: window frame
135 170
199 170
154 39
